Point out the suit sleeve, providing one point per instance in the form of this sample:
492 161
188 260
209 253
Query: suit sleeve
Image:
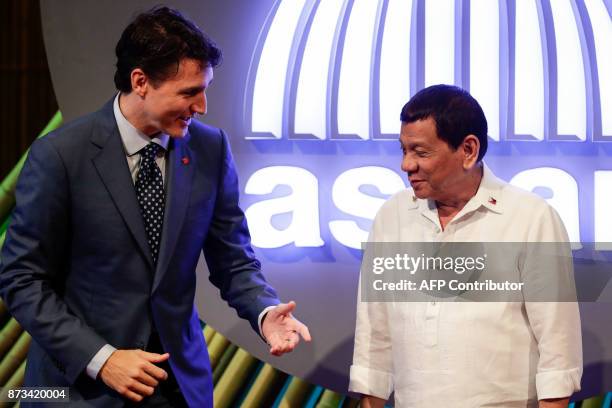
32 268
228 252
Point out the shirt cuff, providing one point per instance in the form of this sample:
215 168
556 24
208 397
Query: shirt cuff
367 381
260 321
96 363
558 384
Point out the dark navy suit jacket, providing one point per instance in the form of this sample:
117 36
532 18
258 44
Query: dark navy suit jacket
76 269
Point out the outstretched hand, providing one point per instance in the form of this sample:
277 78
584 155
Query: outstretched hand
282 331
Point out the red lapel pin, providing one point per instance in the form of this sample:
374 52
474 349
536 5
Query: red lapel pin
185 160
492 200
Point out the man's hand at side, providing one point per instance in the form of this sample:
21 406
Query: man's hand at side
133 373
281 330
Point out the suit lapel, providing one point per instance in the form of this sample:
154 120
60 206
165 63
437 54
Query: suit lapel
180 177
111 164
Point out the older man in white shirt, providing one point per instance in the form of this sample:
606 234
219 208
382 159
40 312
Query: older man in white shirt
468 354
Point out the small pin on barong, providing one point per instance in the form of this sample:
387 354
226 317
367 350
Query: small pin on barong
492 200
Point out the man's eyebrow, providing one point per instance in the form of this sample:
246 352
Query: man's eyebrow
193 89
414 145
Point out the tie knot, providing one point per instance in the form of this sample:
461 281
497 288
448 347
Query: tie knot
150 151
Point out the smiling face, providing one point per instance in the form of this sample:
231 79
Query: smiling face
168 106
434 169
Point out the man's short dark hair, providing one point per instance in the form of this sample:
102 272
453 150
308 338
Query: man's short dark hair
455 112
156 42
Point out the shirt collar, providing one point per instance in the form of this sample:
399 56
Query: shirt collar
488 196
133 139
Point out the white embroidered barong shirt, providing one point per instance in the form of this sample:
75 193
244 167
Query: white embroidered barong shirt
468 354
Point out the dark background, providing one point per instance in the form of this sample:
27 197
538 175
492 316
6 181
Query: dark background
27 99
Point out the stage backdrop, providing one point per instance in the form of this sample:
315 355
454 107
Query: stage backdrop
310 92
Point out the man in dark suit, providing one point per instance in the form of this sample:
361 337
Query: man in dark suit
113 211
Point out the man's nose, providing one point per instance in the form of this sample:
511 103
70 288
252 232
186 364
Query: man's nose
200 105
409 165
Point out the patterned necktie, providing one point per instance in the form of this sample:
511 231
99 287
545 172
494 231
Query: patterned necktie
151 197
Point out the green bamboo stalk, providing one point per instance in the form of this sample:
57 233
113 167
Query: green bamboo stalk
7 186
330 399
265 384
224 362
593 402
15 357
15 381
296 394
233 378
217 346
7 198
9 334
5 224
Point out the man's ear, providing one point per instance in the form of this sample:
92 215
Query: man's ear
470 148
140 82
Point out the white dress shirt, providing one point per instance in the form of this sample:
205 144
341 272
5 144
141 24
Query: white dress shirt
468 354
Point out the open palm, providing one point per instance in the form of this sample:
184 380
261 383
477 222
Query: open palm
282 331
